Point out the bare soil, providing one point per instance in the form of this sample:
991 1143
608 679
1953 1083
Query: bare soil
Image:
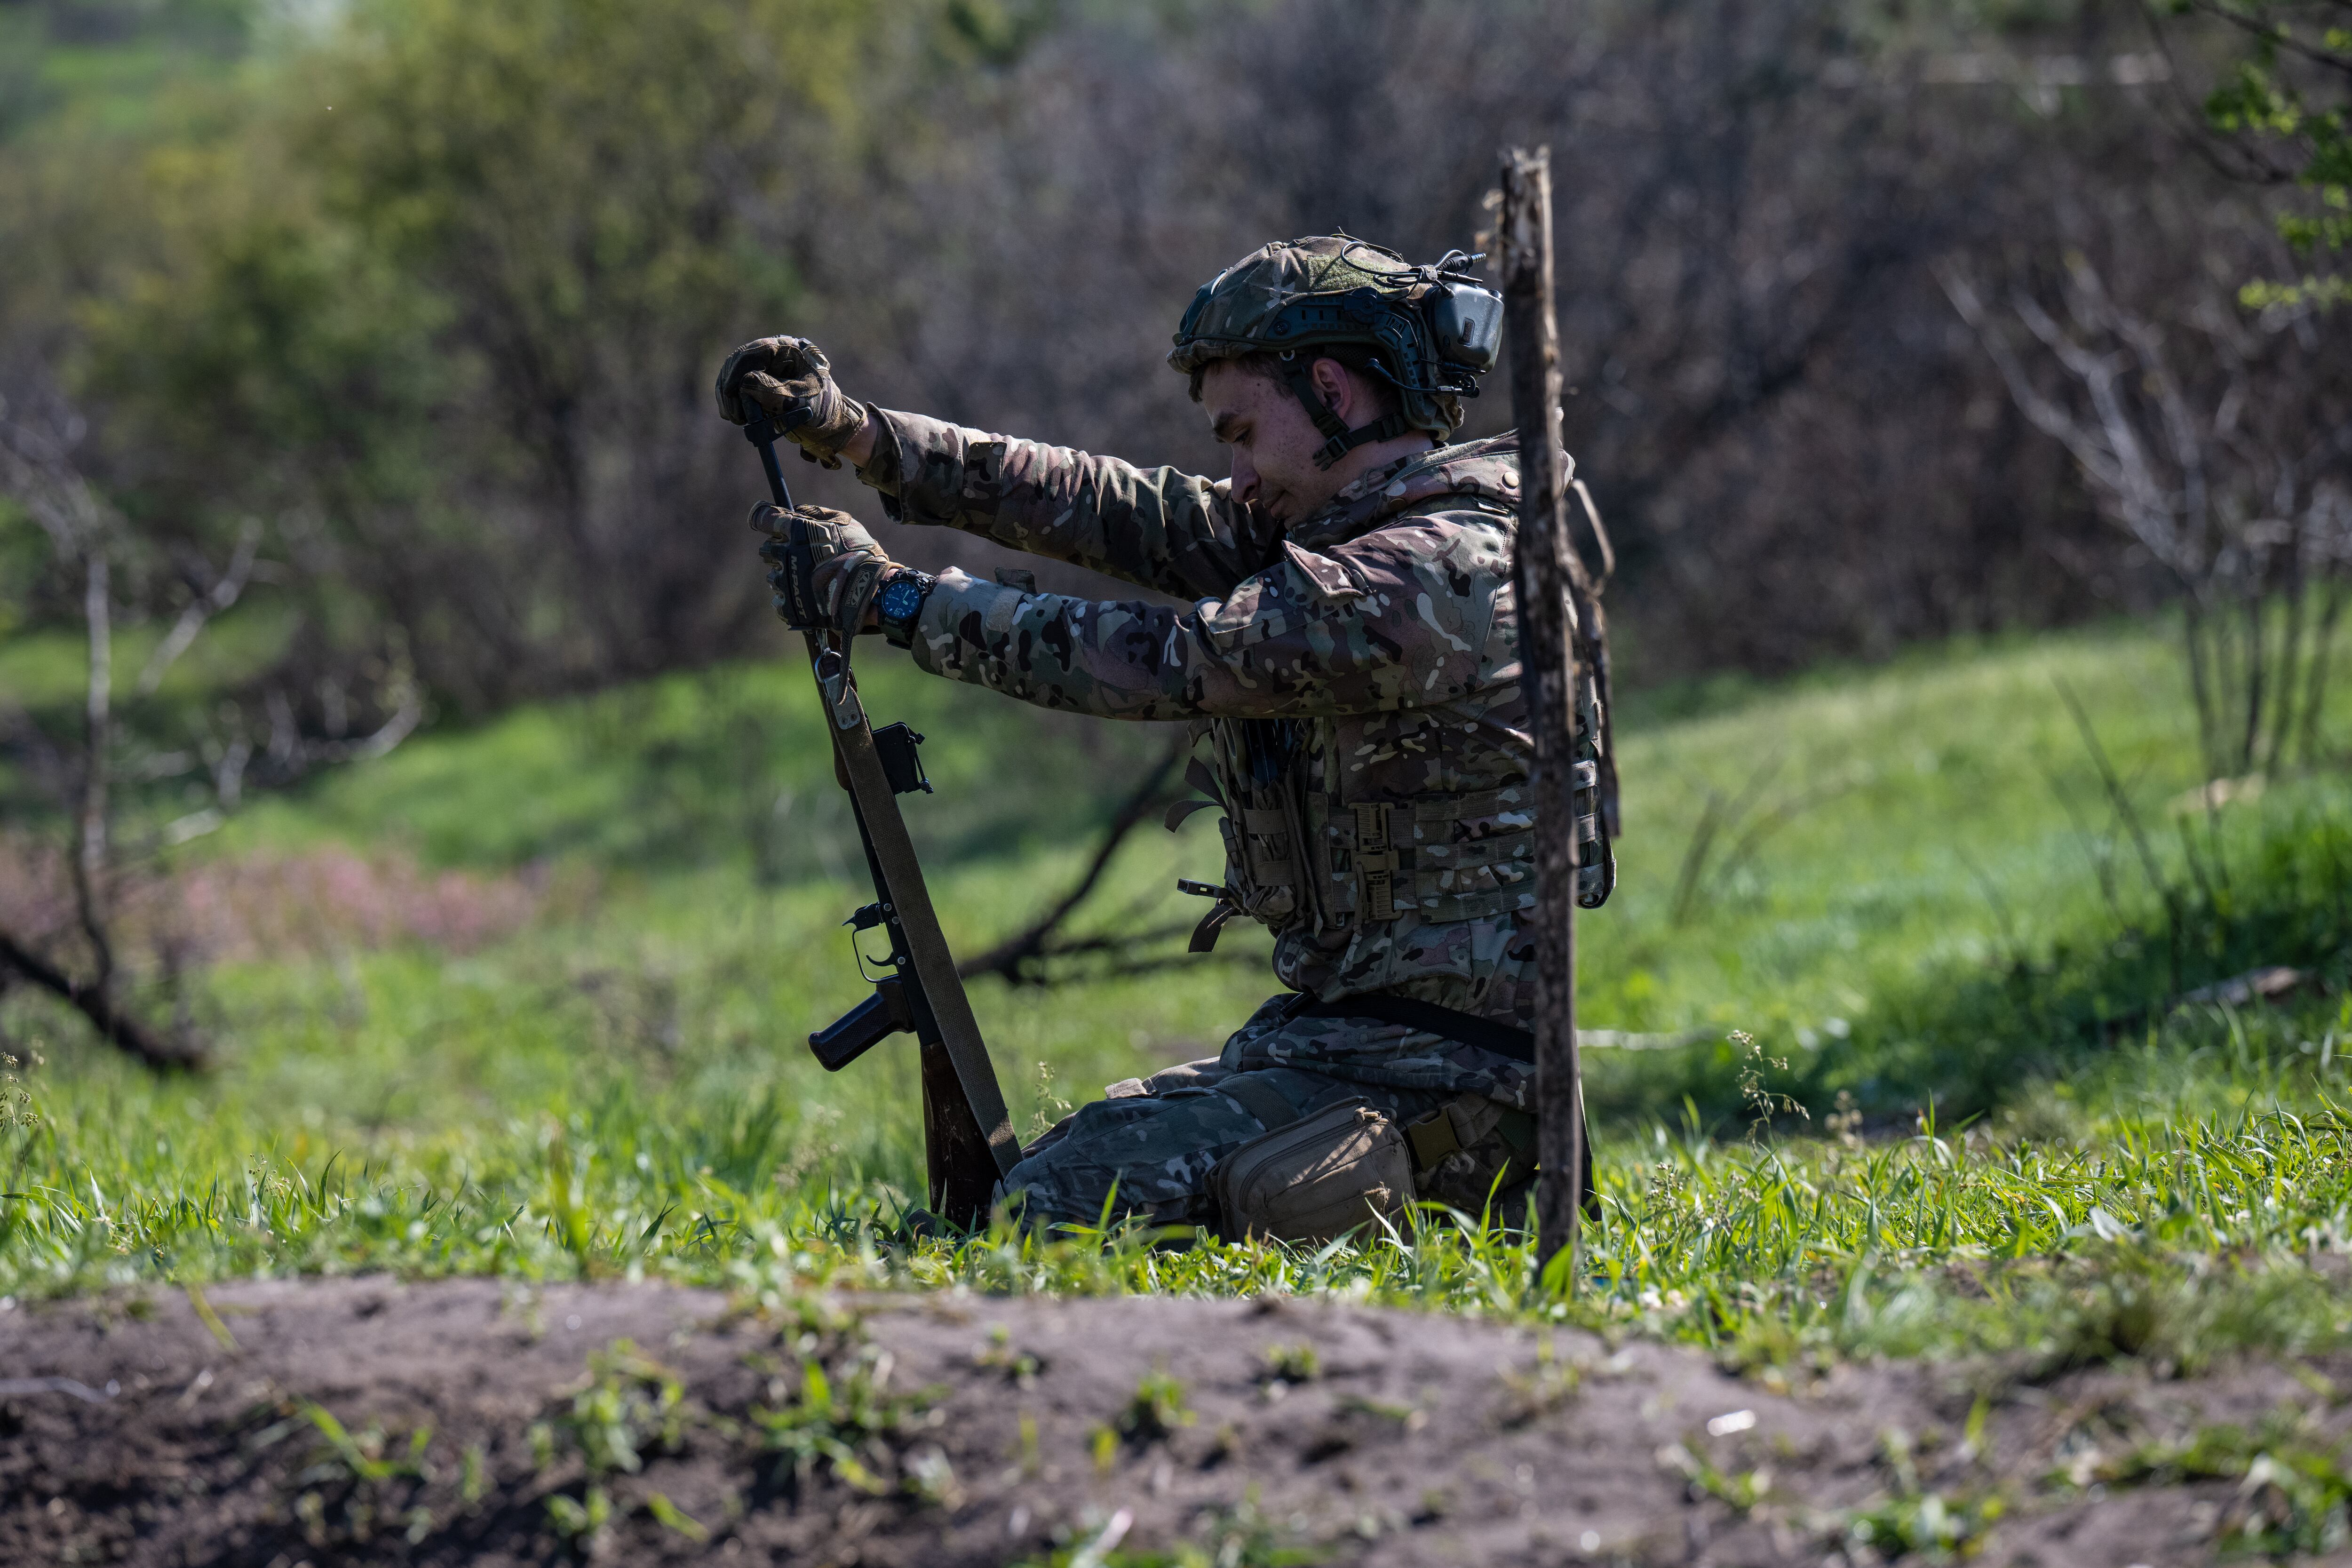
368 1421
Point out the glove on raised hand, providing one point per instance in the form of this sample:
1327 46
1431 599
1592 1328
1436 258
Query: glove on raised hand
792 381
824 567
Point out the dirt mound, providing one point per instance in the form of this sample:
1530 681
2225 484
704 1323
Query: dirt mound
365 1421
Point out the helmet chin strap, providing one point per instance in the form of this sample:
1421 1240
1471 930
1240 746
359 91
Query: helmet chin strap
1343 440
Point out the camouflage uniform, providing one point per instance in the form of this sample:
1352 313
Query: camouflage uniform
1356 676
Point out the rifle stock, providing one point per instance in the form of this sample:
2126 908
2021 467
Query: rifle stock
968 1142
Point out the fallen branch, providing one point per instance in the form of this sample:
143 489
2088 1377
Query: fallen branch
1020 959
215 600
2267 983
403 723
1635 1040
117 1028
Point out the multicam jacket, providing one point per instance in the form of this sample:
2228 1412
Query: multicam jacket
1358 674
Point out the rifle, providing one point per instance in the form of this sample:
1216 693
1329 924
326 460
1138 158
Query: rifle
968 1143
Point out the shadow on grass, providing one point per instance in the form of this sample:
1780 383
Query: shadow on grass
2221 899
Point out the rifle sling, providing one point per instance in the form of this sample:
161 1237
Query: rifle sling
934 967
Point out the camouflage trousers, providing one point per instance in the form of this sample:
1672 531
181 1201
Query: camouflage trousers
1146 1150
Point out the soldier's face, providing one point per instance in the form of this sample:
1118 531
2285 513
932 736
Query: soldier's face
1272 440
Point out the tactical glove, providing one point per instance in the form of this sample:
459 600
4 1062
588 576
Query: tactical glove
824 567
792 381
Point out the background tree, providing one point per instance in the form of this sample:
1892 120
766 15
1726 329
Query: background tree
429 295
2285 110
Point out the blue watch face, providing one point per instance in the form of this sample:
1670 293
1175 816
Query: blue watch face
901 599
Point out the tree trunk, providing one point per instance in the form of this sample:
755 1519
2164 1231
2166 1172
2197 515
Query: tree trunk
1547 663
91 817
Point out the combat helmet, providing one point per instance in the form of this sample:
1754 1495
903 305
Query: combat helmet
1430 332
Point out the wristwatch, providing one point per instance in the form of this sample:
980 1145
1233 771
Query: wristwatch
900 606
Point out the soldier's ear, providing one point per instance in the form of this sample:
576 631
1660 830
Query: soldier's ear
1330 382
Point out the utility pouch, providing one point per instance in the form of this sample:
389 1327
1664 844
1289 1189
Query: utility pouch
1470 1150
1316 1179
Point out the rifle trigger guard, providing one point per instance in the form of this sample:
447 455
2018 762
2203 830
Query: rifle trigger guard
895 960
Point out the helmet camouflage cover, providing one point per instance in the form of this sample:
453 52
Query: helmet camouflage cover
1429 332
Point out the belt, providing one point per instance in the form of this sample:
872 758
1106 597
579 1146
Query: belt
1429 1017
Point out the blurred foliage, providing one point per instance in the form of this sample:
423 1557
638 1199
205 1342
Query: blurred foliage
102 61
448 279
433 291
724 767
1961 914
2289 105
426 298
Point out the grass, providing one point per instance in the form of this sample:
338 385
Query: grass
2187 1212
1917 901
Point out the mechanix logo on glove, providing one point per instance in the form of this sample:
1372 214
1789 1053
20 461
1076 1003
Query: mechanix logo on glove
825 568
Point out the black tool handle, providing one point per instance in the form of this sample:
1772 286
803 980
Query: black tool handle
761 432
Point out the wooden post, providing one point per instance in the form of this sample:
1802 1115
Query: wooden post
1547 664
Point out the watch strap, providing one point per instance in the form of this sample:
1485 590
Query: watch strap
898 628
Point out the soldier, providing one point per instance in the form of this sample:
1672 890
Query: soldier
1352 660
